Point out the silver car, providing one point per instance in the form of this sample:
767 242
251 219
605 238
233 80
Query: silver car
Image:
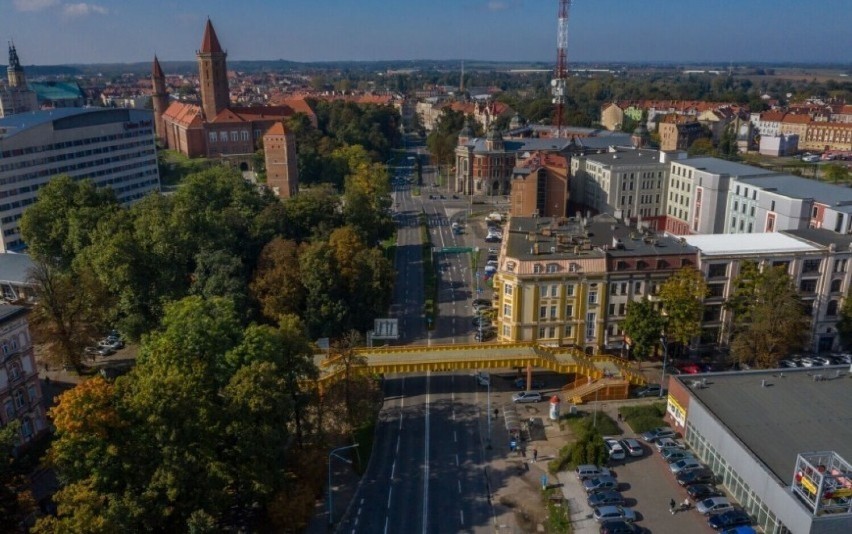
686 463
713 505
633 447
611 513
527 396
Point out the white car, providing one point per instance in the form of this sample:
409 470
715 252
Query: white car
713 505
616 451
527 396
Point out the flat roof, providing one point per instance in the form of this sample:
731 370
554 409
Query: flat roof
627 157
22 121
14 267
836 196
794 413
822 236
763 243
721 166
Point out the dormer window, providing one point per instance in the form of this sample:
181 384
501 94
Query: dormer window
552 267
537 268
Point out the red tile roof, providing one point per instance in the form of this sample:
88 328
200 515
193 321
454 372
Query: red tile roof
186 115
210 43
276 129
236 114
792 118
773 116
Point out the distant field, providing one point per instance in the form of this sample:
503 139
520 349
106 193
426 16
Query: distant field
806 74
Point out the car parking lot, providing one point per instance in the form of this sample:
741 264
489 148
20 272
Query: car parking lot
647 486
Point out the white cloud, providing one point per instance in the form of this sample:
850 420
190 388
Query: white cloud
34 5
496 5
82 9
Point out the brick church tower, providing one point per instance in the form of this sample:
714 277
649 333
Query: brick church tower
212 74
160 100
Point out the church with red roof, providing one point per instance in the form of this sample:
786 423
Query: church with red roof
213 128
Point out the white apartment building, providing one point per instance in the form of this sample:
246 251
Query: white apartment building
113 147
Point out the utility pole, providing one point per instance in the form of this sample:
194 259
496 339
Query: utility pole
558 83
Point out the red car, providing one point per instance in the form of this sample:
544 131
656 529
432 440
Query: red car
689 368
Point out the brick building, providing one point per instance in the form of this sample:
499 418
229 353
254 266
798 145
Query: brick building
20 389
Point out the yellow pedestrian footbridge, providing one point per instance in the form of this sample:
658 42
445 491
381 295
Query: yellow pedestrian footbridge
440 358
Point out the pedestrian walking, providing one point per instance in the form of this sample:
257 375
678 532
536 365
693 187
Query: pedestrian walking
685 505
620 418
672 505
535 455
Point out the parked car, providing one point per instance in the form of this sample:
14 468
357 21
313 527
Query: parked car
729 519
485 335
481 321
521 383
527 396
633 447
666 443
673 455
587 471
619 526
744 529
600 484
686 463
658 433
104 351
701 475
651 390
699 492
610 513
482 302
714 505
616 451
606 498
494 251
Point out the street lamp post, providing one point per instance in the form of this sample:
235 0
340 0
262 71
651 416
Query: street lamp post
665 362
330 494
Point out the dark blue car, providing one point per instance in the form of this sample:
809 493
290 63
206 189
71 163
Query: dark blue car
729 519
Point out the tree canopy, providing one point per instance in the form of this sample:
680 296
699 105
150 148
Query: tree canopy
769 320
644 325
682 296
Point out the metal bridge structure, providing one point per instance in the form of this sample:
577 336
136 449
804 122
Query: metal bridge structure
600 377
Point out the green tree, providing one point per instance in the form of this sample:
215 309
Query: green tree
836 172
16 499
70 311
644 325
682 296
277 284
768 316
60 224
443 139
702 147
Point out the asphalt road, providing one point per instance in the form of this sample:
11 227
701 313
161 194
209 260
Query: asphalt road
427 470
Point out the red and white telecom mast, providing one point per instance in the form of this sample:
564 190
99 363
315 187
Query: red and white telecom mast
557 84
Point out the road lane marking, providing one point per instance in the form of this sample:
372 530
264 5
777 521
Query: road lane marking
459 481
393 469
457 460
461 513
397 443
455 437
390 493
426 462
386 524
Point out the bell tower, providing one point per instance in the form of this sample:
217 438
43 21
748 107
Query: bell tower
160 100
15 71
212 74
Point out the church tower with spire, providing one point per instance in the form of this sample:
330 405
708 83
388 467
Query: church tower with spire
160 100
212 74
15 71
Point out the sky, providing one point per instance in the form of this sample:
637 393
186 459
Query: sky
51 32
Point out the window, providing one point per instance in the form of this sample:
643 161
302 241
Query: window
715 290
569 330
569 290
223 137
542 332
835 285
235 136
624 288
507 330
507 310
569 311
622 309
613 289
10 410
612 309
590 325
831 311
808 285
811 266
542 312
637 289
212 137
31 392
552 267
772 206
553 312
593 296
554 290
20 399
244 135
537 268
717 269
751 211
507 289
